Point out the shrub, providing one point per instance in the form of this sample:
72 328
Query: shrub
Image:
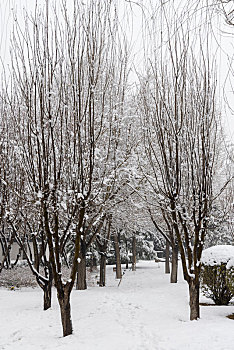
217 279
216 282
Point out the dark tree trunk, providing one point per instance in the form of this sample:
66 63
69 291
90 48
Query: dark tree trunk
103 248
134 253
93 264
47 286
194 300
81 283
47 295
65 310
7 253
25 251
167 258
174 264
117 258
126 242
102 281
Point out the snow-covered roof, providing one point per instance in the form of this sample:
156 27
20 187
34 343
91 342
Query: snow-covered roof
218 254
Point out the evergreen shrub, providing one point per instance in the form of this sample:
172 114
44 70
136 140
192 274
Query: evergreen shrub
217 283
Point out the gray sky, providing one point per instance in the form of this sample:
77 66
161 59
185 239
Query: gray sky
223 39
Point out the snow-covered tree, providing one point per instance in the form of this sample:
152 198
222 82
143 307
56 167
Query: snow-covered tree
66 98
179 120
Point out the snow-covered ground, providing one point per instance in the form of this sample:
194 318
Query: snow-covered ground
145 312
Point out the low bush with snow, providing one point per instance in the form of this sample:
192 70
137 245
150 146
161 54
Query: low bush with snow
217 278
21 276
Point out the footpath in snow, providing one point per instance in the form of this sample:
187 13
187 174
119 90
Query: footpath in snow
145 312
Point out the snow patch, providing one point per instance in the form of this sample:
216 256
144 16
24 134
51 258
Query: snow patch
217 255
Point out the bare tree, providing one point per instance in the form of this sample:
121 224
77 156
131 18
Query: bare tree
177 102
67 89
10 186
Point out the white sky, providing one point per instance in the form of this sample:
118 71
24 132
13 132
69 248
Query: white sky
223 42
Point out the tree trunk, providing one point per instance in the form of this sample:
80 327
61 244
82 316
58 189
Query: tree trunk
81 274
65 310
126 242
102 281
134 253
167 258
93 264
47 295
194 300
24 251
117 258
174 265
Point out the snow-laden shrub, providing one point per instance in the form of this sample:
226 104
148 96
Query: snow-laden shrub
230 269
217 278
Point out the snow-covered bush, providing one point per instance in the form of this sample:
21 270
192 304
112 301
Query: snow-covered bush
217 278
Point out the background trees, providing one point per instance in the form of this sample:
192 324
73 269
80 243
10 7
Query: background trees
10 186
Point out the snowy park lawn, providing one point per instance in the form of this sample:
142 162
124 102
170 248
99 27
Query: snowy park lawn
145 312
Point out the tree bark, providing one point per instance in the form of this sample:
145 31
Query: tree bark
167 258
47 295
25 251
117 258
102 281
65 310
194 300
126 242
174 264
93 264
81 283
134 253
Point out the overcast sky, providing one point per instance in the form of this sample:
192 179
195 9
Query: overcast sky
223 42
